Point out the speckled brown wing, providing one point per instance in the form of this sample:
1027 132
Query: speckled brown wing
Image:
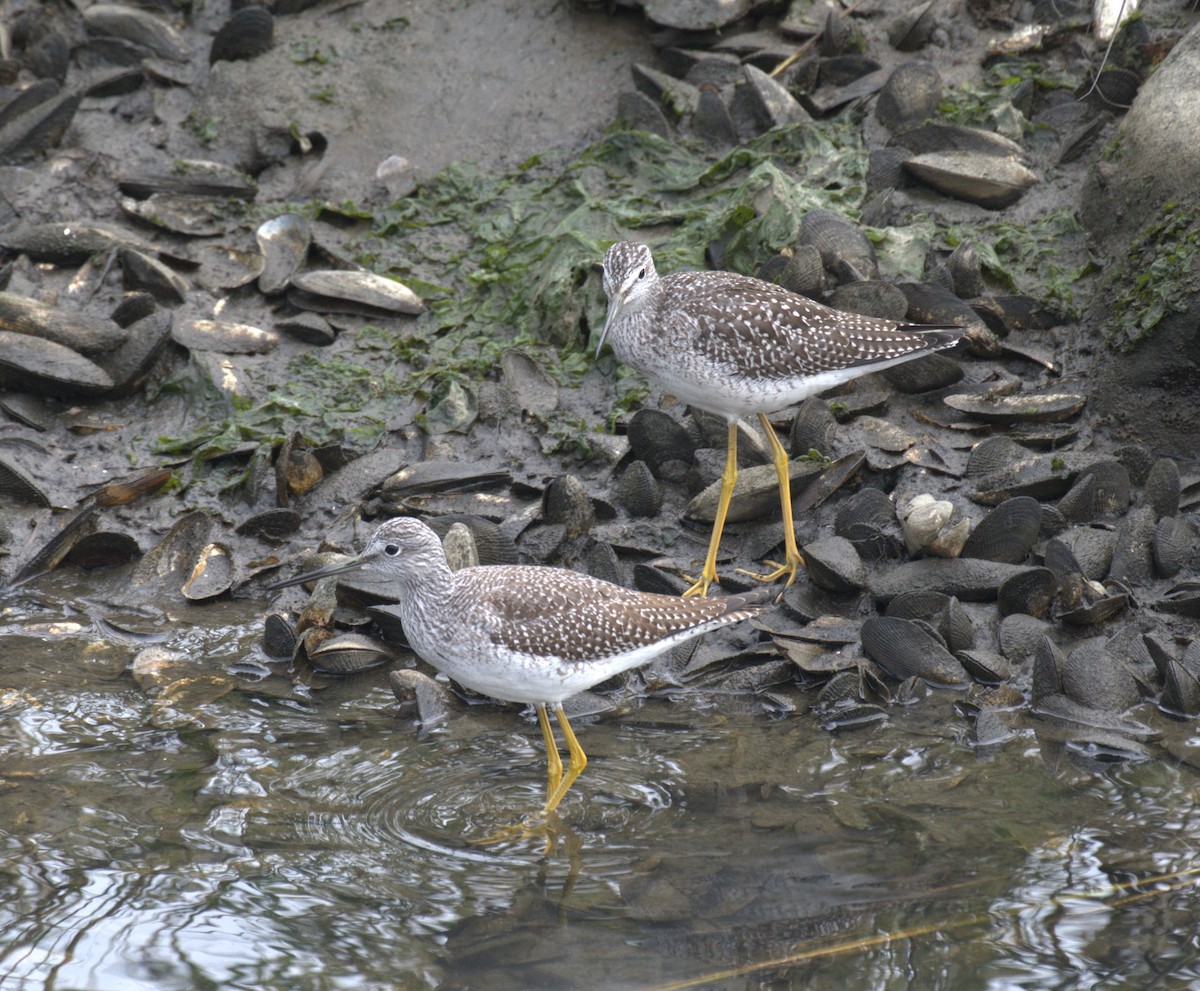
764 332
574 617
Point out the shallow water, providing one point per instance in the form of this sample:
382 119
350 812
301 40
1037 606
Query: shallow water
306 834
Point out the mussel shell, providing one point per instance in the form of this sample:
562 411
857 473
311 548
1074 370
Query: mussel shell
638 492
1133 552
814 428
871 298
906 649
140 271
911 30
224 337
1021 408
102 549
638 112
769 101
174 557
212 574
885 170
1102 609
17 486
190 177
1093 677
284 242
956 137
986 180
87 335
139 26
223 267
272 525
342 291
1162 488
845 250
247 33
985 666
69 243
868 520
911 94
434 701
674 95
1103 490
1181 690
279 637
833 564
993 454
186 213
567 501
942 612
969 579
1029 592
40 127
1007 533
804 274
1093 548
1174 545
491 542
347 653
965 272
30 364
656 438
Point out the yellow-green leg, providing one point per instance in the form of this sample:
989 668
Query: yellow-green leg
575 765
792 558
728 480
554 768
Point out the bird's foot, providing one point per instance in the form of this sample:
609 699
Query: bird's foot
790 568
701 585
541 825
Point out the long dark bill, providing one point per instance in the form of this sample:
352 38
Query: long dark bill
312 576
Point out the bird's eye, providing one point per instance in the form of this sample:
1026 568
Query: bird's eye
391 550
642 274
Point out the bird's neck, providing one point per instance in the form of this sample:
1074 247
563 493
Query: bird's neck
639 317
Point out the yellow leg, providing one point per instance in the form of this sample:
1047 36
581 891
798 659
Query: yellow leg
554 768
792 558
728 480
575 765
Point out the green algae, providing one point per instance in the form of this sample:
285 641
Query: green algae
1159 275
